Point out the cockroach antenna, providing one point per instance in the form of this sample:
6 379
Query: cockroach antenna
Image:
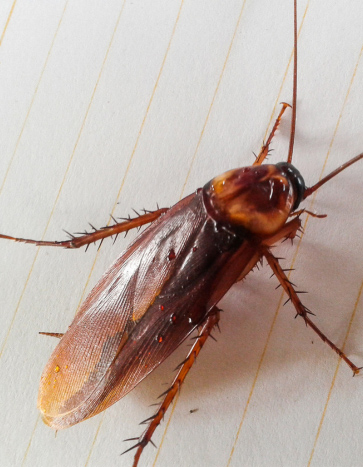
294 92
169 281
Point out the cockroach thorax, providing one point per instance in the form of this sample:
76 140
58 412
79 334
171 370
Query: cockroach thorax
257 198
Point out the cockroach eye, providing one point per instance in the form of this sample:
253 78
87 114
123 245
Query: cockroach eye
296 181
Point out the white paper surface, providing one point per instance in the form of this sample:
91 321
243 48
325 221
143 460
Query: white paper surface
141 102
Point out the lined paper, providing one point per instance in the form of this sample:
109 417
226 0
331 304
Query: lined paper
109 107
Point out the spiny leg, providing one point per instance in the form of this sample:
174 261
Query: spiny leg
265 148
205 330
289 230
300 308
100 234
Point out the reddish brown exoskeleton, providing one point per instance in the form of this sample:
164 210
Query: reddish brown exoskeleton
169 282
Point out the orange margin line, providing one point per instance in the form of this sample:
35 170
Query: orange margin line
297 249
335 374
7 22
32 100
59 192
361 288
291 266
127 170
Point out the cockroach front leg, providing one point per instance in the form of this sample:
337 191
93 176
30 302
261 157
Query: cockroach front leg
265 147
300 308
289 230
98 234
205 330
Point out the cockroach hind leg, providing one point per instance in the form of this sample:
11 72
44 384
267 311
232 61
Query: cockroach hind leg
301 310
137 445
97 234
206 327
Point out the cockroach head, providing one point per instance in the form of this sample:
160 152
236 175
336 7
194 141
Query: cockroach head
257 198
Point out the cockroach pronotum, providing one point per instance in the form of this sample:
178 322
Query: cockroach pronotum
169 281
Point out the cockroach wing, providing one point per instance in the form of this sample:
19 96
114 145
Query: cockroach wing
110 312
143 307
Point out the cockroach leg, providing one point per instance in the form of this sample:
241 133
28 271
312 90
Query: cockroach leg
300 308
104 232
289 230
205 330
58 335
253 262
306 211
265 147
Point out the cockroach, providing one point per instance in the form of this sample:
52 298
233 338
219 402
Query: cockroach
169 282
